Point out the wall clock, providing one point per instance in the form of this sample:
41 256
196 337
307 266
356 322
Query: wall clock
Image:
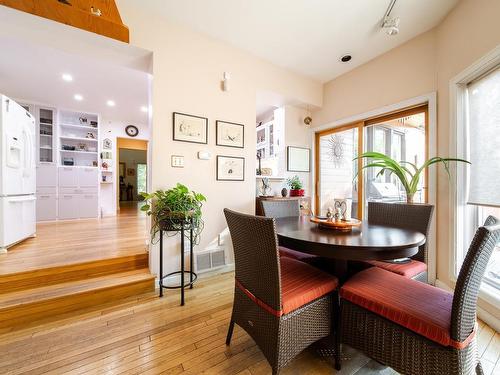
132 131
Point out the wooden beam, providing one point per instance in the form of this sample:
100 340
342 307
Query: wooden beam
77 13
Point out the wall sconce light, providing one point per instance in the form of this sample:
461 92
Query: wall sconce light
225 81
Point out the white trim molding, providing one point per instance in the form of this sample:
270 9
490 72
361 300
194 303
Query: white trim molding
431 101
459 211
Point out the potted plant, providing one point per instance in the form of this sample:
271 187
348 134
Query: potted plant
296 187
408 173
173 209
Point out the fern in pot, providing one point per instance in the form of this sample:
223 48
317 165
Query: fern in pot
409 174
173 209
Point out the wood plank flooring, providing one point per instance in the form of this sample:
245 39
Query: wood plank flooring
76 241
148 335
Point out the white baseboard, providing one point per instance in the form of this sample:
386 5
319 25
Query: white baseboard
482 314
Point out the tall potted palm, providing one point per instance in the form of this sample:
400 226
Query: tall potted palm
408 173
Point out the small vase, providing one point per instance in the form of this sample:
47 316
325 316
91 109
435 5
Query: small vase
284 192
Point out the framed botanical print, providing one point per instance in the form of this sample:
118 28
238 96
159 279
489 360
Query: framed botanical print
298 159
189 128
229 134
230 168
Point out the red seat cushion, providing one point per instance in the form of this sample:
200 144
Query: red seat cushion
409 270
300 284
419 307
294 254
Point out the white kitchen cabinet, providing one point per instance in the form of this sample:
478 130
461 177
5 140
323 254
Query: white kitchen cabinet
88 177
46 176
68 177
68 206
46 207
88 206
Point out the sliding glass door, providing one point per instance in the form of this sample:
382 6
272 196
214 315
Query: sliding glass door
402 136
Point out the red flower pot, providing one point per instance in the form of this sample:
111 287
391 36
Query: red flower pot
296 192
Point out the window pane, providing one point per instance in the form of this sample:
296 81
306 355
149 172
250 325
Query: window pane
403 139
337 169
141 178
492 275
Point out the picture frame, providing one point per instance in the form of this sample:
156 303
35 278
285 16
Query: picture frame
229 134
189 128
298 159
230 168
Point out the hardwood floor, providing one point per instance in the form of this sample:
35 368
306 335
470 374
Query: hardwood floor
148 335
77 241
73 265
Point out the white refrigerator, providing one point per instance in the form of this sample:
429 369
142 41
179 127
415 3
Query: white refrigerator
17 174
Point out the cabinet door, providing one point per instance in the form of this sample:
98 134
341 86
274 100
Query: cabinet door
87 177
68 177
87 206
46 176
46 207
68 206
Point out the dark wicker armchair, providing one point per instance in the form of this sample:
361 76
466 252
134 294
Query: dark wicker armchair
408 216
286 208
413 327
283 304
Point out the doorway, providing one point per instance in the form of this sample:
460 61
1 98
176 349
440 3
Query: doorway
132 159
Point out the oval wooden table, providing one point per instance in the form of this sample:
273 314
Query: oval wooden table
366 242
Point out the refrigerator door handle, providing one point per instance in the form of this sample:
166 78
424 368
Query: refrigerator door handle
21 198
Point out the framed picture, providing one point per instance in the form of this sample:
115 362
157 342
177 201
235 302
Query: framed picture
189 128
107 144
298 159
131 172
230 168
229 134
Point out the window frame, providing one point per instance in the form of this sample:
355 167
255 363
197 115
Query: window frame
462 214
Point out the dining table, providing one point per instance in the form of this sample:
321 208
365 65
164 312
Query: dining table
363 243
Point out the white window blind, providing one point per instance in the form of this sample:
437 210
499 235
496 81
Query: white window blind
484 134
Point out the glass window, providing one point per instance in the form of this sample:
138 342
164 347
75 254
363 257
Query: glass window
142 178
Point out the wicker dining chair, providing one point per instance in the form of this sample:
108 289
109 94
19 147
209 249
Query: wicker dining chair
286 208
285 305
407 216
413 327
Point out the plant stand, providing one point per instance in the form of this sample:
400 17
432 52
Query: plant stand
192 275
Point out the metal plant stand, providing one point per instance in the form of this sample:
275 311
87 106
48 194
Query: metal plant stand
192 275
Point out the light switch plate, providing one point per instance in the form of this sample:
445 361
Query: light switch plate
177 161
204 155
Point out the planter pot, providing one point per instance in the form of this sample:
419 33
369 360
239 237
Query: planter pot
172 220
296 192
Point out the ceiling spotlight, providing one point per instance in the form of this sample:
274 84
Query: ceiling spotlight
110 103
67 77
78 97
345 58
391 25
144 108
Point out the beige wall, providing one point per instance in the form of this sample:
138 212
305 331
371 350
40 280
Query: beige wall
187 70
422 65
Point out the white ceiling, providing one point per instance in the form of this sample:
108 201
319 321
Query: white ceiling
306 36
32 72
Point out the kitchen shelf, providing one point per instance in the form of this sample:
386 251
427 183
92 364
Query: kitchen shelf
78 138
77 166
80 152
106 170
45 148
270 177
46 135
78 126
107 182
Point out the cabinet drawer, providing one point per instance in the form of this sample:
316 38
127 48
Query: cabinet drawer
46 207
88 177
68 177
46 176
68 206
46 190
88 205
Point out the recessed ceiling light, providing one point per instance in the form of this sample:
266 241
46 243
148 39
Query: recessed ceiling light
144 108
78 97
110 103
67 77
345 58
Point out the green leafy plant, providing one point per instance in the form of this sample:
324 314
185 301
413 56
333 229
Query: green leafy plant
294 183
173 209
408 173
